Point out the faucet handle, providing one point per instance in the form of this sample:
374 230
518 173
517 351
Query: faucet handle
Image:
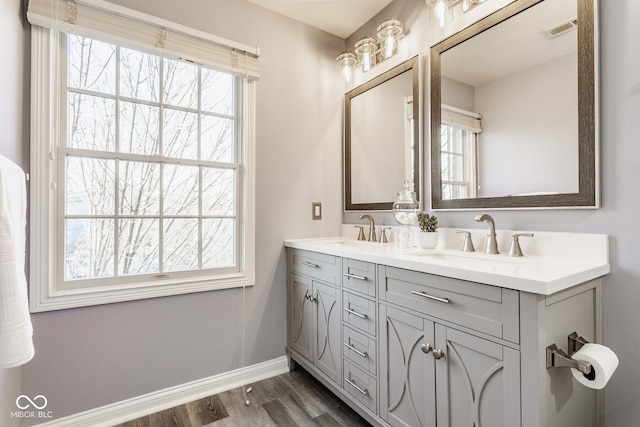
383 235
515 250
468 243
361 232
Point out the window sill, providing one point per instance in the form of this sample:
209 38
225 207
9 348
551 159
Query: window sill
60 300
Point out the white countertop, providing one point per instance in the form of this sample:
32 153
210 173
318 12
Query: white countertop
544 275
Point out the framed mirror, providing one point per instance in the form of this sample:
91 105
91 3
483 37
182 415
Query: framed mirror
381 138
513 109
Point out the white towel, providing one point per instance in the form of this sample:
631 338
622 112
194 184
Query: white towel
16 331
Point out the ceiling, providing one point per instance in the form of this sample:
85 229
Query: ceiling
339 17
514 45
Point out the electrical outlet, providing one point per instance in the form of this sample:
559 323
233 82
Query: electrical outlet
317 210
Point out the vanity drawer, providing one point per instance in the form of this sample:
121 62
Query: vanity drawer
319 266
360 385
484 308
359 349
359 312
359 276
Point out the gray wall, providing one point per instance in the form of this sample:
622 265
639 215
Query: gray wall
618 217
89 357
543 158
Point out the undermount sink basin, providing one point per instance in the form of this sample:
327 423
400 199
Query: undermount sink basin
475 259
354 243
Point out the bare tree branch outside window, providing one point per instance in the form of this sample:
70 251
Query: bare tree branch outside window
151 164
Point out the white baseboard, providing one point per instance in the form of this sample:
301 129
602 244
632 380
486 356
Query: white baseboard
140 406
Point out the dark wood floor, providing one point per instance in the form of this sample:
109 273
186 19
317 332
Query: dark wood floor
294 399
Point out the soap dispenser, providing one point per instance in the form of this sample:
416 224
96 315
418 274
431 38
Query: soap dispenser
405 211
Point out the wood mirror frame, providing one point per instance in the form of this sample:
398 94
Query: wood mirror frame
587 195
411 66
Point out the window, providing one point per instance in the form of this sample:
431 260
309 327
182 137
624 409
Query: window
151 173
458 153
458 159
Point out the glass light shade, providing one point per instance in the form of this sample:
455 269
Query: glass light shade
389 46
467 5
388 32
366 50
441 12
348 62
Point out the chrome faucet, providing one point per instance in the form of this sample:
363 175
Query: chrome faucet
372 227
492 243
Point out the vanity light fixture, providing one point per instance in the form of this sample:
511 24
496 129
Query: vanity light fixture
348 62
388 32
366 49
441 11
370 51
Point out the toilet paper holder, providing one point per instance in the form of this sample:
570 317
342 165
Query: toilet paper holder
556 358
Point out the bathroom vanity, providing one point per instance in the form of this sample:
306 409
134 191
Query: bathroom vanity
418 337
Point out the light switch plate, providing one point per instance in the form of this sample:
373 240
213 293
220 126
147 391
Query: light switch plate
316 210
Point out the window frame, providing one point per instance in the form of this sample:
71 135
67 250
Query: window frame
48 86
468 157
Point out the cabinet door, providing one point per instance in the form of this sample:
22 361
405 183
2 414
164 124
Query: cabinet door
477 381
301 316
328 346
407 373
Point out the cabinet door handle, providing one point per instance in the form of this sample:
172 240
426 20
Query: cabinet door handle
353 276
422 294
355 313
352 384
310 264
437 353
355 350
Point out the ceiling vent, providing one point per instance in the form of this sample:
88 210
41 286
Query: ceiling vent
562 28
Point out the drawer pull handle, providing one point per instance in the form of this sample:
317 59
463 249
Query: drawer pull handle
352 384
355 350
353 276
355 313
422 294
310 264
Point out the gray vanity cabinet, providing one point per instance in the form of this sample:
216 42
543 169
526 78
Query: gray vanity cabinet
315 314
414 349
477 381
327 355
359 332
300 315
438 362
407 377
473 381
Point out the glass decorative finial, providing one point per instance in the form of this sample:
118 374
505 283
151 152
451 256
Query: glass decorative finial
405 211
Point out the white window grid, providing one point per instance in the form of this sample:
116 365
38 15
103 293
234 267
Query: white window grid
118 156
459 166
46 291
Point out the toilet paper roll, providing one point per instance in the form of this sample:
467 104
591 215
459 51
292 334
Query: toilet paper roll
603 362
